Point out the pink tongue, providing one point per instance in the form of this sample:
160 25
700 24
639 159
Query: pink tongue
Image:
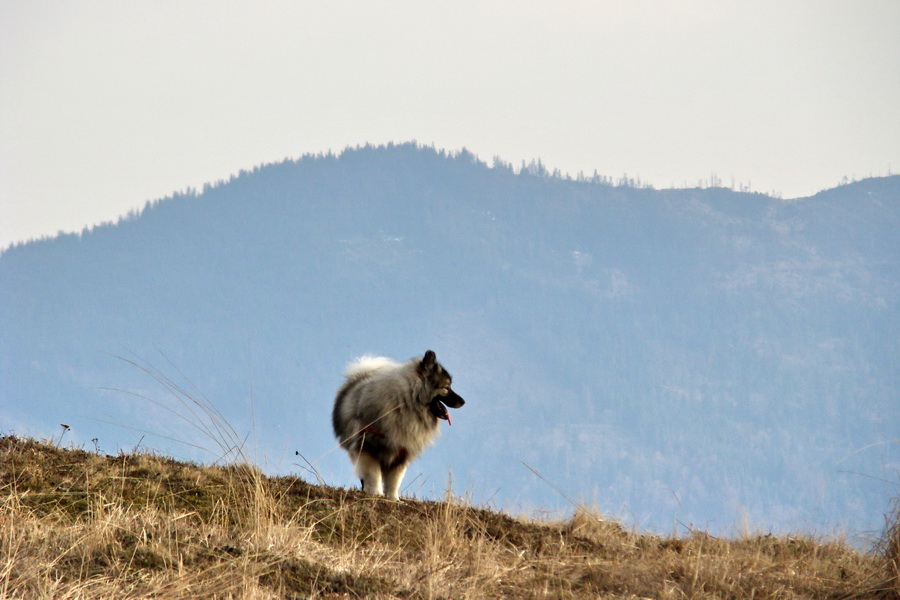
440 411
445 414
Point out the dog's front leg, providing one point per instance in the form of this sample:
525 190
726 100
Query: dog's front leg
393 476
369 471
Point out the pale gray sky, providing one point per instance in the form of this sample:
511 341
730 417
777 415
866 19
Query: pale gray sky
107 104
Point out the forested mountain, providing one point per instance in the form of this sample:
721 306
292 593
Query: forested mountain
694 356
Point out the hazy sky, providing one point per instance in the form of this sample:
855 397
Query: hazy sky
107 104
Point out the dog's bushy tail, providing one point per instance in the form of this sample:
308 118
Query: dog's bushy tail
364 365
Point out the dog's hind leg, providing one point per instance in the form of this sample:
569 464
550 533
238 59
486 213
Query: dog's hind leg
369 471
393 476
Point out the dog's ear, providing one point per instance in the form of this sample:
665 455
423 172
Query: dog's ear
427 363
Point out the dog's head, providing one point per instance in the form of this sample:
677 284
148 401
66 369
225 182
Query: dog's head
438 381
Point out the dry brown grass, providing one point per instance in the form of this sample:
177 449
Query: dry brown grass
79 525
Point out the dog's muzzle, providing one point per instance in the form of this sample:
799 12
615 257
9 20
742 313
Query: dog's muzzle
438 408
452 399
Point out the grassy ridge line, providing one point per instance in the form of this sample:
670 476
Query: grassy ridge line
80 525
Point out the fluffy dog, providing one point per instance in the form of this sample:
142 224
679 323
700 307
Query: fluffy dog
386 413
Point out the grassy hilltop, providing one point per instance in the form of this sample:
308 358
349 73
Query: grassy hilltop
74 524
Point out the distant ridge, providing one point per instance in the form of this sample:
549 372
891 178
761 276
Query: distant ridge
700 356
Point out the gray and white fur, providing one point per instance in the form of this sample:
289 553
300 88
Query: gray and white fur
386 413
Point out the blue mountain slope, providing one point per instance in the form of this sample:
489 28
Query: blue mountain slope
701 356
